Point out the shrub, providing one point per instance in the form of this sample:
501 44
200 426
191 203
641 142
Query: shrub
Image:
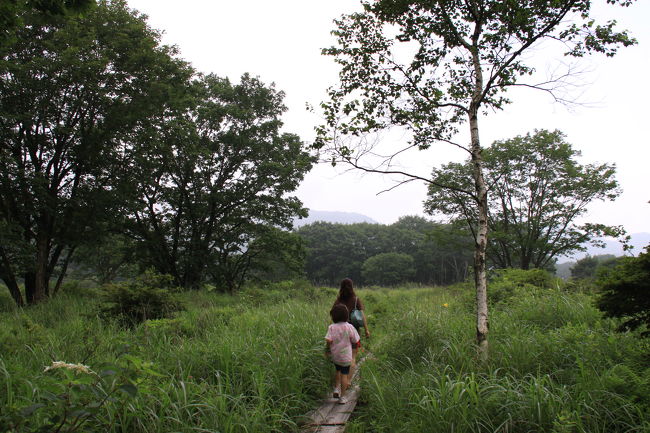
626 291
505 283
149 296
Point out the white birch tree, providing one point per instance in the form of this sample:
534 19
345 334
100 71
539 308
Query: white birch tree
465 55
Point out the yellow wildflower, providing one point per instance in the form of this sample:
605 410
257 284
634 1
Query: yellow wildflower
445 305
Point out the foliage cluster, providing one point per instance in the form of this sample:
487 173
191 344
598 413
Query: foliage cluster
506 284
440 253
72 397
150 296
112 144
538 191
388 269
589 266
625 291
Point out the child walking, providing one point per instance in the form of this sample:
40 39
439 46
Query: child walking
341 340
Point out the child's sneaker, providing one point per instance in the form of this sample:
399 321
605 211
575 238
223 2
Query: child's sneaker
343 400
336 392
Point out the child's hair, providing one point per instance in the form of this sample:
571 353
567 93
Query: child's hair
347 290
339 313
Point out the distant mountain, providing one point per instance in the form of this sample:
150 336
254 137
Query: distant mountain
333 217
638 240
563 270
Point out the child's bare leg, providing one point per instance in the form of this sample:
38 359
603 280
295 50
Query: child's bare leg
353 364
337 379
345 382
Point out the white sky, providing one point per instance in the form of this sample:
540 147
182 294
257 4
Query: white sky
280 42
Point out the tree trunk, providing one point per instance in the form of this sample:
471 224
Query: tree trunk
9 278
11 283
37 280
29 287
480 188
41 278
480 274
64 269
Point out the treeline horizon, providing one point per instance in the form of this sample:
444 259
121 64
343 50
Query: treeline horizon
413 250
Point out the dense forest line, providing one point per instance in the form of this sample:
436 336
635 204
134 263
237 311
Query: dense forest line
413 249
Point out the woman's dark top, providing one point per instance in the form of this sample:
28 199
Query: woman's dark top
350 303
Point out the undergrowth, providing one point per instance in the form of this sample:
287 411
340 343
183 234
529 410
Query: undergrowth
253 362
555 365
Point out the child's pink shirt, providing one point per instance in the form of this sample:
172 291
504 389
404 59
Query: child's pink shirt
341 336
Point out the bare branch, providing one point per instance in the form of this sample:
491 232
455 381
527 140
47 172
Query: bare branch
357 166
541 34
396 186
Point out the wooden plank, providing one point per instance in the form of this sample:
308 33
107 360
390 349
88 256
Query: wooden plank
320 415
341 413
331 416
326 429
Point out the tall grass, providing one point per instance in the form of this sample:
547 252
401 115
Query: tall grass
228 364
254 363
554 366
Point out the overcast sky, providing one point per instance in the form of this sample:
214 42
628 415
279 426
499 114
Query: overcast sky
280 42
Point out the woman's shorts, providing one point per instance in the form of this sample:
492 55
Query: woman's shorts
342 369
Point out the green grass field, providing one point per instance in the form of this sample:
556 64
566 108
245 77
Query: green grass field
254 363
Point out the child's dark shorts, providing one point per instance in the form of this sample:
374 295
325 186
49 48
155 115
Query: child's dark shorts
342 369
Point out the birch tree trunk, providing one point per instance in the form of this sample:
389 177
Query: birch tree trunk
480 188
480 242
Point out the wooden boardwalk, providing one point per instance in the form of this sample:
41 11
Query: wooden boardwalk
331 417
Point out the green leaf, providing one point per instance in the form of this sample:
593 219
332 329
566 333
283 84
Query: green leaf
129 388
29 410
80 413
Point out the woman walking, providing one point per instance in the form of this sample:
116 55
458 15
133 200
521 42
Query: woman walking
349 298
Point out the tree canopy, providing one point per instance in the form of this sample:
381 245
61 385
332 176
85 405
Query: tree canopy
209 178
69 88
539 190
104 132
